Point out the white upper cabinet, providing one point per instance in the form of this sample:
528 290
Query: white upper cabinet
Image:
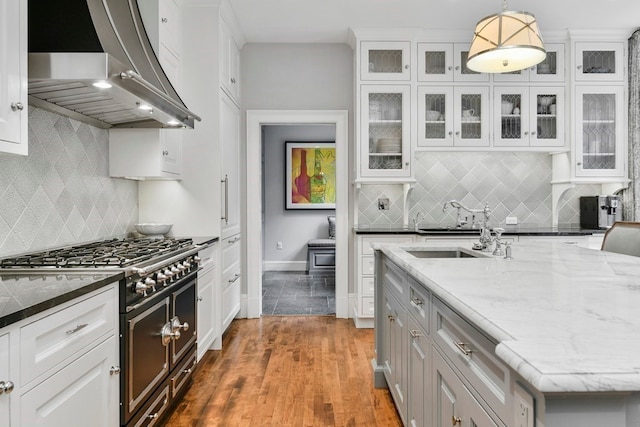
451 116
153 153
13 77
229 63
446 62
600 132
385 60
384 131
529 116
599 62
551 70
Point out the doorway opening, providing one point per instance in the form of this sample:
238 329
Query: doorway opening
256 123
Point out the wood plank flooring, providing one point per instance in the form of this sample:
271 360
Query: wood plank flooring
288 371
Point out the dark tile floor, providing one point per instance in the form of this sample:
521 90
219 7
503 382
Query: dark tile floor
294 292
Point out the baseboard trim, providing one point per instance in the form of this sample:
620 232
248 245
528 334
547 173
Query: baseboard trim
285 265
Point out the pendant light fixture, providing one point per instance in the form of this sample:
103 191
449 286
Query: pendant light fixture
507 41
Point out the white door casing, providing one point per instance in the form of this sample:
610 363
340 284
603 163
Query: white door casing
255 120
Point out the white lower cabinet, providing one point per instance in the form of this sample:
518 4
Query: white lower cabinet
231 279
61 367
363 307
419 380
6 383
82 393
208 324
395 361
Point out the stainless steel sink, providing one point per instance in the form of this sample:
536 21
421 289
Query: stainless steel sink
445 253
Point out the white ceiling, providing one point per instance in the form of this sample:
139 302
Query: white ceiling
328 21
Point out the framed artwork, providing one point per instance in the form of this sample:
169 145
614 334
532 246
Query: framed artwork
310 175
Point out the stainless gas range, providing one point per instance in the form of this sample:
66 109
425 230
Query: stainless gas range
157 304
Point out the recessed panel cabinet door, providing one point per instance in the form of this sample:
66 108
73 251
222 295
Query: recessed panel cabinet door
84 393
13 76
230 167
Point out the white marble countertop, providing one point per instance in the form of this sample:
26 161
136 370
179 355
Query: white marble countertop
565 318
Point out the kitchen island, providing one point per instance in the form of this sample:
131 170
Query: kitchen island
548 337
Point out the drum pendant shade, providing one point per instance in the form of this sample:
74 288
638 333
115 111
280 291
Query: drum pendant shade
507 41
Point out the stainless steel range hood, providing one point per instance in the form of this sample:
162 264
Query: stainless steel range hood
75 44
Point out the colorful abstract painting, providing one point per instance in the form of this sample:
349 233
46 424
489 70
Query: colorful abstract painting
311 175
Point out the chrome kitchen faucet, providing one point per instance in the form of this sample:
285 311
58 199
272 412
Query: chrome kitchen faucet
485 231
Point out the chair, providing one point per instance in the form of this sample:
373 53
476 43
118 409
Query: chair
623 238
321 253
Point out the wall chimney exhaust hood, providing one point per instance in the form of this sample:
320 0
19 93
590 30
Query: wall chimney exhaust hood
91 60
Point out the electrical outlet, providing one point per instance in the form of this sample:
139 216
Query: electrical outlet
512 220
279 246
383 204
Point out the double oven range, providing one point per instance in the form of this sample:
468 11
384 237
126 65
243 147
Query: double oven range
157 305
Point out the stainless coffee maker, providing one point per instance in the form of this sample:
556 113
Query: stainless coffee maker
600 211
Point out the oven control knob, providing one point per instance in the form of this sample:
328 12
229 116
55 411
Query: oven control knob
150 283
182 266
175 271
141 288
169 274
161 278
186 265
197 260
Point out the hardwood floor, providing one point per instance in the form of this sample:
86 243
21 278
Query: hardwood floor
288 371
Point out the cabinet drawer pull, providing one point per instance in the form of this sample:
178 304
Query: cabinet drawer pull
462 347
456 420
391 318
235 240
115 370
236 277
416 301
77 328
414 333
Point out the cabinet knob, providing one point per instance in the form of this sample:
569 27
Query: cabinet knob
579 67
233 80
527 133
457 133
457 67
406 163
456 420
115 370
17 106
450 133
200 298
533 133
449 68
164 20
6 387
406 67
165 153
579 163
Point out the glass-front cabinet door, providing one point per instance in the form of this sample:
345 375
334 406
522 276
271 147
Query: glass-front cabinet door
435 62
460 71
385 60
599 136
453 116
599 61
384 131
549 70
529 117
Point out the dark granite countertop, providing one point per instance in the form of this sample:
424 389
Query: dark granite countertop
437 230
23 295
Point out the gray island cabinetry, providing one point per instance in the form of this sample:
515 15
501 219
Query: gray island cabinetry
540 340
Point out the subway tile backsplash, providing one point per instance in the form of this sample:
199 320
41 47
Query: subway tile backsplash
514 184
61 193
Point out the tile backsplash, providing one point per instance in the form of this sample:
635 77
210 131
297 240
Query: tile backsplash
61 193
514 184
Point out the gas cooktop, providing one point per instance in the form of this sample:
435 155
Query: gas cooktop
113 253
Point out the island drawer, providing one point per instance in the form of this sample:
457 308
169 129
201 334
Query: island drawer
473 354
419 303
395 280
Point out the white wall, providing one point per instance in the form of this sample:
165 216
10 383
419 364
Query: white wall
294 228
